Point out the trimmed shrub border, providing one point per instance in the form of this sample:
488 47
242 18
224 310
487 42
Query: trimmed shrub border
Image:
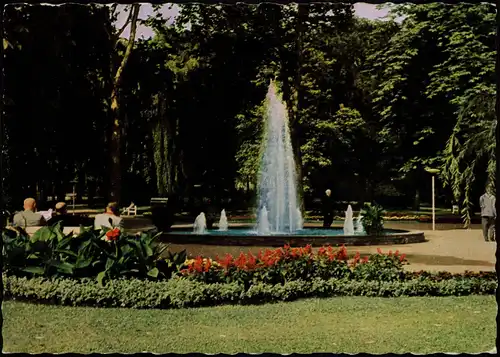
182 293
398 237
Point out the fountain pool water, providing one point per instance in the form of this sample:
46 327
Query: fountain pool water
252 231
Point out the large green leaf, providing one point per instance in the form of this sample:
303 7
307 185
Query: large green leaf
109 263
153 273
44 234
62 267
100 278
34 270
82 263
66 252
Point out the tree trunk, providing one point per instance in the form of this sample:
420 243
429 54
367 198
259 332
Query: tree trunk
116 129
303 13
159 159
164 151
91 189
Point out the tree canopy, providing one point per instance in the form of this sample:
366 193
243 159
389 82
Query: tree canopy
371 103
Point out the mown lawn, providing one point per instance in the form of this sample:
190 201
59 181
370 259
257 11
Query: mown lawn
350 324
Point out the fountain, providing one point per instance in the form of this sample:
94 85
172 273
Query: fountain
358 227
223 221
279 218
263 222
278 180
300 222
348 222
200 224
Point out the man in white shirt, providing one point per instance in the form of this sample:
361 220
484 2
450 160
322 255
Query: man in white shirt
488 214
110 218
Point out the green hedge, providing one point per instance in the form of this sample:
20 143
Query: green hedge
180 293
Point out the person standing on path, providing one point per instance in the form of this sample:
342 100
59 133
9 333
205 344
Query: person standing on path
488 214
327 209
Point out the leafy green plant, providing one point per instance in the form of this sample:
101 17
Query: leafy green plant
42 254
14 250
372 219
381 267
171 263
103 254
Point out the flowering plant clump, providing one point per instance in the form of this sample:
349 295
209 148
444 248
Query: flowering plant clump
382 267
112 235
278 266
103 254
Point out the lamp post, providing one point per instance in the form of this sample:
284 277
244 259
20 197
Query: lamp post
74 182
433 172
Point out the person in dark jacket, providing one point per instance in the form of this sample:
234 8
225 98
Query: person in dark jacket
327 209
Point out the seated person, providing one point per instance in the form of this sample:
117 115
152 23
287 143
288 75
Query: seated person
61 215
110 218
29 217
46 214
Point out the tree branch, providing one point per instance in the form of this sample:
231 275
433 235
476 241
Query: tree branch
127 21
118 76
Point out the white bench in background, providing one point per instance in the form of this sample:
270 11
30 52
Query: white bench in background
66 230
131 210
454 209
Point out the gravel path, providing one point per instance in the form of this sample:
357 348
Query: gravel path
453 250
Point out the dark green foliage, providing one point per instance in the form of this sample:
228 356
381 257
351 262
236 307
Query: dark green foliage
372 219
101 254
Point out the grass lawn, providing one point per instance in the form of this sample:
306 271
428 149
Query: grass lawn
350 324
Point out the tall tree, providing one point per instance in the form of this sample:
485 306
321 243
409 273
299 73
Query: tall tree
115 114
62 87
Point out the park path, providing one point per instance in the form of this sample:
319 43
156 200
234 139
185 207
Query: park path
453 250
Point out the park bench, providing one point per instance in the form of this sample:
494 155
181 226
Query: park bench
66 230
131 210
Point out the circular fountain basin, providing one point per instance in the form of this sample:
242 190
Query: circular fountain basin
315 236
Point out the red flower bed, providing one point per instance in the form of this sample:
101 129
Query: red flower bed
287 263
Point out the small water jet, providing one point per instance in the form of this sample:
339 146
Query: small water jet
200 224
300 220
348 222
263 221
358 227
223 225
277 186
